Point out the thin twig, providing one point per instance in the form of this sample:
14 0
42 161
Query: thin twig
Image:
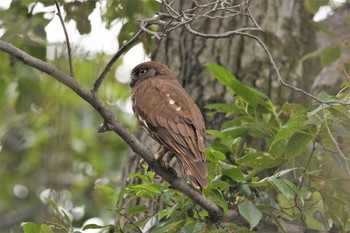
132 223
70 61
307 166
332 137
108 67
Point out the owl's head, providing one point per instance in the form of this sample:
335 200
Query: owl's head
148 70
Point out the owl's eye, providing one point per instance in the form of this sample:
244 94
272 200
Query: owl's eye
143 71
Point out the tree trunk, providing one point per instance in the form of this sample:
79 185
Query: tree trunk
288 35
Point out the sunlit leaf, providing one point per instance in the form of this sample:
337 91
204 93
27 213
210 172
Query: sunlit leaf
45 229
30 227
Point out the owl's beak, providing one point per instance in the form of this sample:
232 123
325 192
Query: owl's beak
133 81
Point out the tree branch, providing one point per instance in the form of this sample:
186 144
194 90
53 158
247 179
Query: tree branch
108 67
70 60
215 212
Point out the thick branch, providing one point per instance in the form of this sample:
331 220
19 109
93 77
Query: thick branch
215 212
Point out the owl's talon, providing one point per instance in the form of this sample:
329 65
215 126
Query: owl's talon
141 162
160 153
156 176
165 162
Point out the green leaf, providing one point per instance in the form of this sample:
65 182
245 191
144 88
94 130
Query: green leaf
93 226
52 204
235 173
30 227
259 160
107 190
137 209
218 198
227 79
342 113
45 229
297 144
193 227
285 188
167 212
214 155
65 216
237 131
252 214
79 11
217 134
294 124
172 227
127 31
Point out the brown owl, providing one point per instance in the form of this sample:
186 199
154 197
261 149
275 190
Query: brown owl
169 115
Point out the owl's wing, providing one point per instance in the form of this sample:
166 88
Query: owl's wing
172 118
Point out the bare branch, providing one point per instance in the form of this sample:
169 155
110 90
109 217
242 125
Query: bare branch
221 35
70 61
108 67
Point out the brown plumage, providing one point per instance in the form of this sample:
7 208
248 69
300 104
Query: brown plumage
170 116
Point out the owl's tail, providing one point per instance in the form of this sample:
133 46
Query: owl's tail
197 173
